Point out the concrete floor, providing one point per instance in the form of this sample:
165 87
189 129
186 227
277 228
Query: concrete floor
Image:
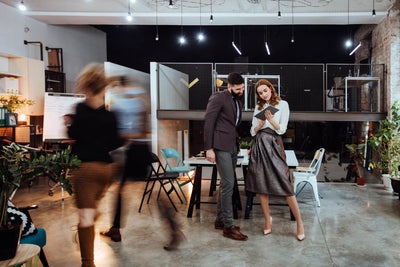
355 226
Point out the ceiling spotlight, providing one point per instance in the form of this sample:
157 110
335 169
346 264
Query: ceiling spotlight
129 16
22 6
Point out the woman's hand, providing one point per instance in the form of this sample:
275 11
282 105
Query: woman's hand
268 115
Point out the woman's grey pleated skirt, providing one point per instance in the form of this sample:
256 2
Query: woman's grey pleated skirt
268 172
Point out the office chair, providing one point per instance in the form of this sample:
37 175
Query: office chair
309 175
156 172
171 155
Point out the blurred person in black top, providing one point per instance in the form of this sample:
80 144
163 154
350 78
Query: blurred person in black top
94 130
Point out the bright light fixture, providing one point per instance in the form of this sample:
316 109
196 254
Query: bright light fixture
355 49
236 48
267 48
348 43
182 40
200 37
129 16
22 6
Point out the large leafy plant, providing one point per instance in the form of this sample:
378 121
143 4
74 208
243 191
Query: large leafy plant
19 165
386 143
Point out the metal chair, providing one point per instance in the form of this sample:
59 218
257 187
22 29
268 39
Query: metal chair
172 156
156 172
309 175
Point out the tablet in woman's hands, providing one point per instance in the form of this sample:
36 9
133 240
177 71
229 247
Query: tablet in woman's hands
261 115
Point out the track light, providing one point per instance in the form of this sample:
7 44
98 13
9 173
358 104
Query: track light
355 49
236 48
22 6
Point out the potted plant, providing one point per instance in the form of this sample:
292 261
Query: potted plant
385 142
18 165
14 102
245 146
355 168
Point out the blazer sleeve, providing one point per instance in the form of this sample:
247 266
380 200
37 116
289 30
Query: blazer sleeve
212 111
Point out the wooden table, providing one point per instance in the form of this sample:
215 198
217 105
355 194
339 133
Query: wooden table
25 253
195 198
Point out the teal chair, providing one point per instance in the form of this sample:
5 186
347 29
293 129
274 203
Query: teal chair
174 164
38 238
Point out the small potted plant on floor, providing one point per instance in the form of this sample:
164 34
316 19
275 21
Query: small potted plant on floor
385 143
18 165
245 147
355 168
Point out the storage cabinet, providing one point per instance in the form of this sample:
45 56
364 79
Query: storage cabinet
55 81
31 80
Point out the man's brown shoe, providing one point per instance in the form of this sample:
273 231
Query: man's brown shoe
220 225
234 233
113 233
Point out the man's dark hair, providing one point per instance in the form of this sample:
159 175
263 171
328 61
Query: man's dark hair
235 78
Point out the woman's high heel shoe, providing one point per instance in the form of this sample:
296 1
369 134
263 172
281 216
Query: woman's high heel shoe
301 237
268 231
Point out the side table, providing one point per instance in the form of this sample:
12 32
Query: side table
25 254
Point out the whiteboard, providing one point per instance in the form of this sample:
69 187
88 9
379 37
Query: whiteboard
56 105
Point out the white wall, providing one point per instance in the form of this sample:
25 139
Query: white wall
81 44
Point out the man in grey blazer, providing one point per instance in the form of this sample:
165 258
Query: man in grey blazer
222 118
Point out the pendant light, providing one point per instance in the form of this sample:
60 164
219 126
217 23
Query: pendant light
279 9
211 14
182 39
348 43
266 41
292 38
200 35
156 38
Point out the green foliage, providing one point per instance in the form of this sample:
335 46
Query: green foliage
18 165
246 144
386 142
14 102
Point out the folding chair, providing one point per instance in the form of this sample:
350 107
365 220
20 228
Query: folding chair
156 172
309 175
172 156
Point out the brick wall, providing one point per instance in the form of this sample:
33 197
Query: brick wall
385 46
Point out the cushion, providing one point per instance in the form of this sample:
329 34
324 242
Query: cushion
17 215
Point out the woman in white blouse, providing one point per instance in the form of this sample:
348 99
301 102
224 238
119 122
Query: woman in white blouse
268 173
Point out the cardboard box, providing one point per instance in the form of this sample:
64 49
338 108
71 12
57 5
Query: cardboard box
9 85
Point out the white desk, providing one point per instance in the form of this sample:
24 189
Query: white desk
201 162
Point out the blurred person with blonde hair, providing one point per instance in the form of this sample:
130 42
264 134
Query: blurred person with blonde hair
94 130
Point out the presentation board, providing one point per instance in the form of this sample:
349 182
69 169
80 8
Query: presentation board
56 105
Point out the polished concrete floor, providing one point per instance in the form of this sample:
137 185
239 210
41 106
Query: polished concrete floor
355 226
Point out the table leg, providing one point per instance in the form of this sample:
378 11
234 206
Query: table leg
195 196
213 185
249 204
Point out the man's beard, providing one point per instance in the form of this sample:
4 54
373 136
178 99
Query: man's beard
237 96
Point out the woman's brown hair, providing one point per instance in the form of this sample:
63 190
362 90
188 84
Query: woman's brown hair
275 98
92 79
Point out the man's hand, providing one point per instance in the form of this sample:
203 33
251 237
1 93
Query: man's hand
210 155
